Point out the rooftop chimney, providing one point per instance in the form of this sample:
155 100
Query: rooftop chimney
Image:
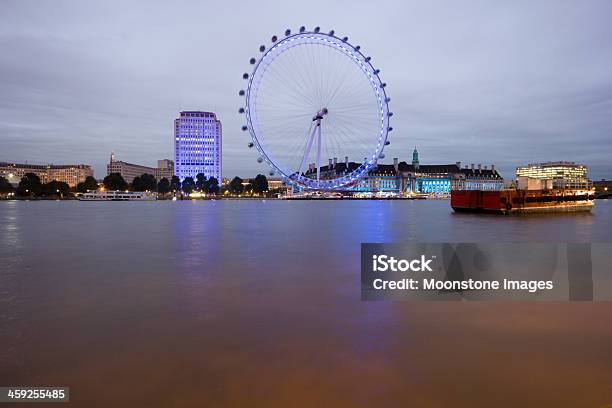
458 164
330 163
396 164
335 161
472 166
346 161
479 167
493 168
485 167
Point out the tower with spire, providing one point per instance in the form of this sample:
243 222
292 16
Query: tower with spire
415 158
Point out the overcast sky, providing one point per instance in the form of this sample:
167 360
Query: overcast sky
485 82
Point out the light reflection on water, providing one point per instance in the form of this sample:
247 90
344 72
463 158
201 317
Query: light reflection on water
220 302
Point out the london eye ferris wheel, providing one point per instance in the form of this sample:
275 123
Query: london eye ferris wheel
311 98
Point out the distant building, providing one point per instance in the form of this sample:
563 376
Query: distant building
72 174
561 172
401 178
165 168
197 145
276 183
603 188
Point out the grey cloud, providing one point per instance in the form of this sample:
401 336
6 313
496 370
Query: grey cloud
471 81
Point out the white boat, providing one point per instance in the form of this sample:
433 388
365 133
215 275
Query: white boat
118 196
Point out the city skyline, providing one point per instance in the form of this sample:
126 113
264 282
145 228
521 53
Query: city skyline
505 84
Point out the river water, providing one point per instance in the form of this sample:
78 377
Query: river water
244 303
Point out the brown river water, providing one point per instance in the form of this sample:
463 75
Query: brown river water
257 303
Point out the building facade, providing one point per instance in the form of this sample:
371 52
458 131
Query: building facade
129 171
197 145
165 169
562 173
277 183
404 179
71 174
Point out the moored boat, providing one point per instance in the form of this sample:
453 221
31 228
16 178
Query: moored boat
525 196
118 196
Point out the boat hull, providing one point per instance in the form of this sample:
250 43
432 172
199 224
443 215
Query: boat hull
118 196
512 201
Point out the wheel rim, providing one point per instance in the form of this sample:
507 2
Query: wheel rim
300 76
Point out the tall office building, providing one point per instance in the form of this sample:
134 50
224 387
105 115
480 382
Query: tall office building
197 145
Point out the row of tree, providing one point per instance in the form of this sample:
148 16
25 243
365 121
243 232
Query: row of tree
200 184
258 186
31 186
147 182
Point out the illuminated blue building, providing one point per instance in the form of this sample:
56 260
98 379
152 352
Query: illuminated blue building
197 145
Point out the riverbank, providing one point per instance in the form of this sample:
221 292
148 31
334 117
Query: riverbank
287 198
220 198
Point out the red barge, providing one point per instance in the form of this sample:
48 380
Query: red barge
523 196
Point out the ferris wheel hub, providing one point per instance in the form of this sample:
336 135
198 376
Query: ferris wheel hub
320 114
